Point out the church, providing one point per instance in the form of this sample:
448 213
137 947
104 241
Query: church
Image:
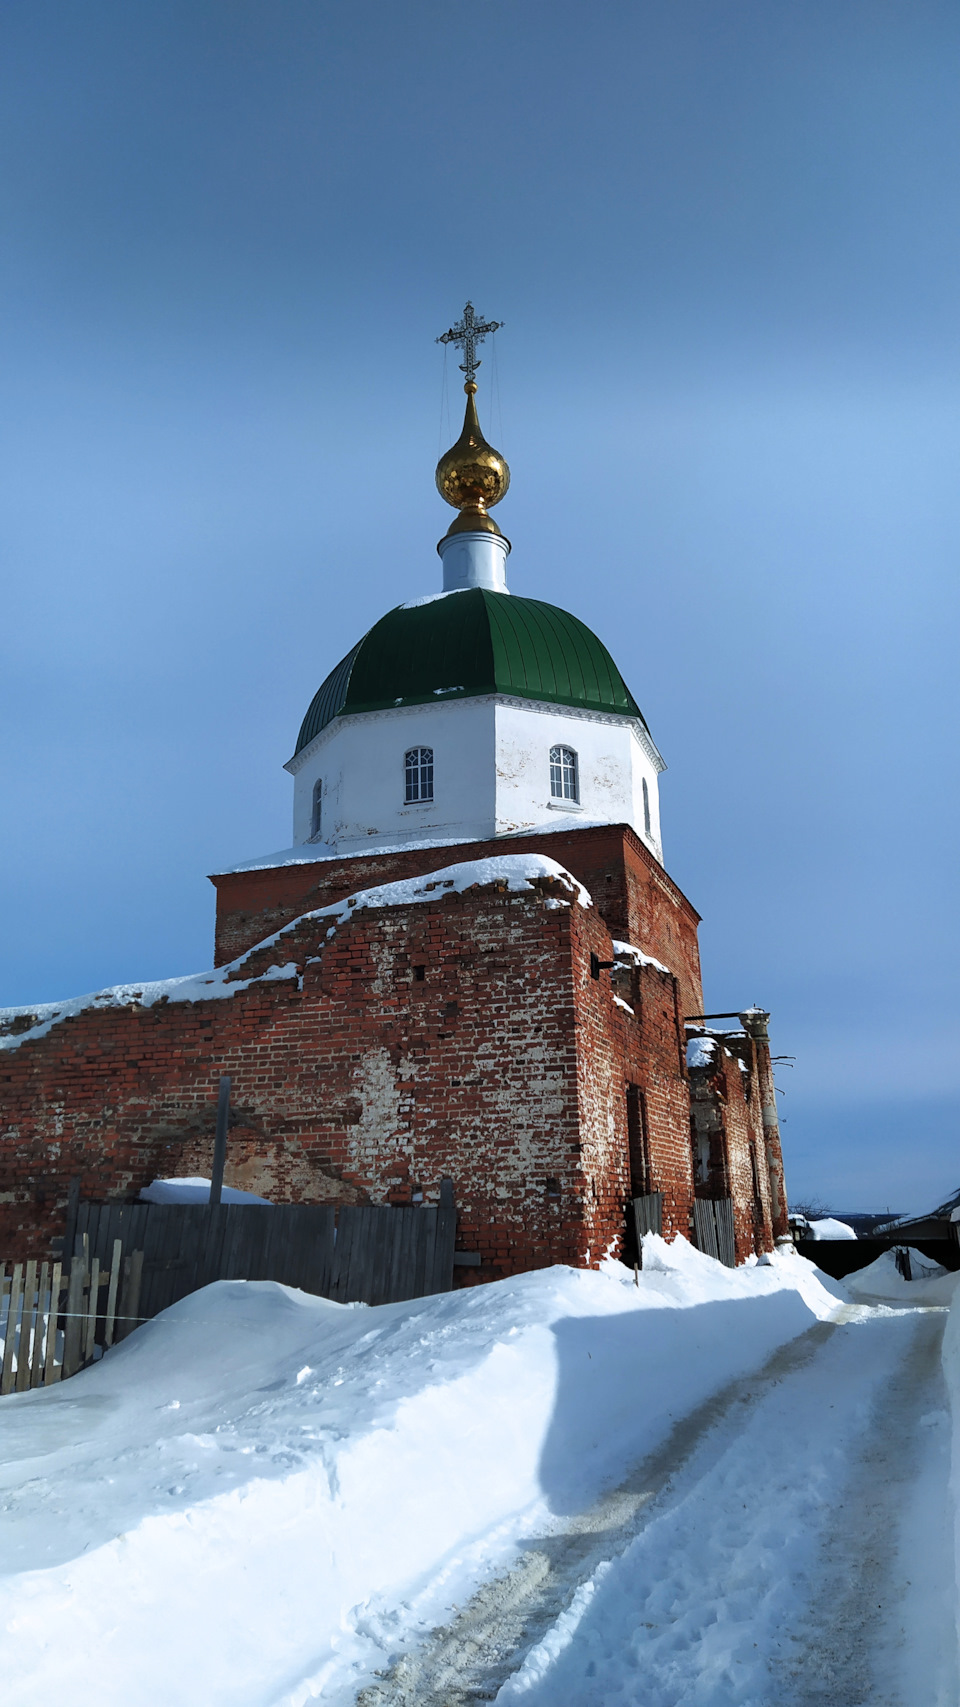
471 964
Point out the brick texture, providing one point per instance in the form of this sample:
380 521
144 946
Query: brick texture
467 1036
636 899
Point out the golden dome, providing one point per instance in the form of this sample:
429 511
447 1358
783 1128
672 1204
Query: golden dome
472 476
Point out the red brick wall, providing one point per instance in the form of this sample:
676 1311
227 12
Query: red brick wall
505 1067
727 1101
633 894
643 1047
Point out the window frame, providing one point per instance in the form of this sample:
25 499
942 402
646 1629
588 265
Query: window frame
647 818
316 810
419 772
567 760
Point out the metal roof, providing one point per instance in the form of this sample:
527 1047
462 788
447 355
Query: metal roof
470 643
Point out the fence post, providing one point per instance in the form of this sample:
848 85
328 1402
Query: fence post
220 1141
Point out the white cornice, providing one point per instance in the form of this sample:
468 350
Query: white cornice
548 708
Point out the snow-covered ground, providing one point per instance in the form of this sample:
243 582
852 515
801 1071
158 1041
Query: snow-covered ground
930 1284
563 1487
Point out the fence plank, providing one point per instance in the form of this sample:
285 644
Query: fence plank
713 1219
90 1325
726 1240
51 1368
73 1206
348 1235
74 1317
36 1357
410 1231
423 1250
705 1227
445 1236
13 1307
27 1309
136 1277
240 1239
112 1293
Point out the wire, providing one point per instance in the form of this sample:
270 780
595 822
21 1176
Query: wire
444 404
496 395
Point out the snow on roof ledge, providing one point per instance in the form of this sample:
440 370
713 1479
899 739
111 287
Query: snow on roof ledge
317 853
626 951
702 1051
518 872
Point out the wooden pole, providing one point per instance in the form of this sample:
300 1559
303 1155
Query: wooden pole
220 1141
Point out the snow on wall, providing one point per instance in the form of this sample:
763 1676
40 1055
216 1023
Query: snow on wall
637 900
515 872
445 1024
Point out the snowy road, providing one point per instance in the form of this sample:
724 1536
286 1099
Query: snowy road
587 1489
791 1542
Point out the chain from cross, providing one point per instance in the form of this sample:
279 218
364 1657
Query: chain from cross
467 334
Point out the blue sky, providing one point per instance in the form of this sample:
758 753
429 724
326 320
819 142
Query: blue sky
723 241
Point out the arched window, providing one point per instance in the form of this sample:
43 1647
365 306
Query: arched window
418 773
564 778
646 806
316 811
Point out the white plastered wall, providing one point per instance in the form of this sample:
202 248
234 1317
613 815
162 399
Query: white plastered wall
612 762
491 774
360 761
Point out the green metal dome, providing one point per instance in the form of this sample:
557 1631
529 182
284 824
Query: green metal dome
468 643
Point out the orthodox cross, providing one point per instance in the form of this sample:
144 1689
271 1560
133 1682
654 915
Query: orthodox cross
467 334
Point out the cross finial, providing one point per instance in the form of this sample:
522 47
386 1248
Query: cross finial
467 334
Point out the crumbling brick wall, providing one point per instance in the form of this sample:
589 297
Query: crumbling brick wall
637 900
727 1137
461 1036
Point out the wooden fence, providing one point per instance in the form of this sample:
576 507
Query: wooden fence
375 1255
645 1215
840 1257
713 1220
53 1323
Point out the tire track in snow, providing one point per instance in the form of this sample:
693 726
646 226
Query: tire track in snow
468 1660
676 1587
880 1628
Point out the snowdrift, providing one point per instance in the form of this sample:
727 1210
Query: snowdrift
261 1496
882 1279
